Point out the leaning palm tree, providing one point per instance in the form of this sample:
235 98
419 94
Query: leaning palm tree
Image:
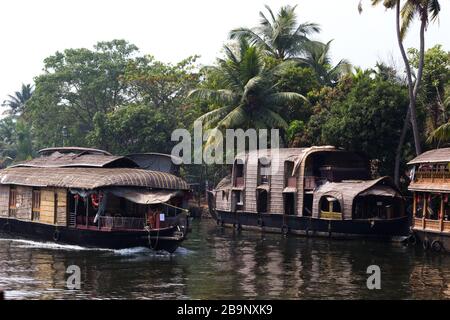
248 95
316 55
426 10
16 102
280 35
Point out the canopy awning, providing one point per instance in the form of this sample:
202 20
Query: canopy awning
144 196
290 190
263 187
381 190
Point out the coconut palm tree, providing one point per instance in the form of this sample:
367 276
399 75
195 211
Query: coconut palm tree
16 102
442 133
280 35
316 55
247 96
426 10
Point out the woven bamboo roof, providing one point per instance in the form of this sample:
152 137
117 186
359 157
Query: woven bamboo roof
90 178
58 160
432 156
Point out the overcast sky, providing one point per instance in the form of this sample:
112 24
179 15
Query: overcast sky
171 30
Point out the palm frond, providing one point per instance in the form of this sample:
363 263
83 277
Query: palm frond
408 12
220 97
441 134
285 98
237 118
211 118
434 8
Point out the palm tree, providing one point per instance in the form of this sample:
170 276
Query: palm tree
279 36
442 133
247 96
316 55
16 103
424 9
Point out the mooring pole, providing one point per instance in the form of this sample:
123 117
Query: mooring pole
2 295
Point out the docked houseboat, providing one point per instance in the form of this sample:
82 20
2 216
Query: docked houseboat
92 198
430 184
316 191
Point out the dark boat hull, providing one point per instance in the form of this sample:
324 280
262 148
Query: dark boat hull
435 241
392 229
167 239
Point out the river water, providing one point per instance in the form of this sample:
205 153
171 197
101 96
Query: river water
217 263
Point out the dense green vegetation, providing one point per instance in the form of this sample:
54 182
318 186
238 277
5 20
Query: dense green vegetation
274 75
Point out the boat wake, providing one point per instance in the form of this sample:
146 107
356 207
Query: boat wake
136 251
50 245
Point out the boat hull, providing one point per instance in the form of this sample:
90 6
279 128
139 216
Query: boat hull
430 240
167 239
390 229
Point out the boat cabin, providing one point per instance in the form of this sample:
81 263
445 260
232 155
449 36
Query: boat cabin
430 184
318 182
91 189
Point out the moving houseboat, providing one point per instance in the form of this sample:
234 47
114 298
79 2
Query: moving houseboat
92 198
430 184
316 191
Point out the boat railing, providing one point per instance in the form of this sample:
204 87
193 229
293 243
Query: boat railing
124 223
431 224
435 175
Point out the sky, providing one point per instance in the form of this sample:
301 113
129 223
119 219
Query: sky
31 30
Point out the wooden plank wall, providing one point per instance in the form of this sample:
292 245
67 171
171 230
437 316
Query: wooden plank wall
277 185
23 203
48 206
251 179
4 200
62 207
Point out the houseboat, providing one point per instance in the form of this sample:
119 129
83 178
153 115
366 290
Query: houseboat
92 198
315 191
430 184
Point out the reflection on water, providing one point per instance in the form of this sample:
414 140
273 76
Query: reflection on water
224 264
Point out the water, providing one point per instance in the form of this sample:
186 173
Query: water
225 264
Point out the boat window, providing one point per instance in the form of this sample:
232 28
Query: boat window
420 198
239 173
36 205
262 201
289 179
446 199
289 203
263 171
12 201
330 208
433 206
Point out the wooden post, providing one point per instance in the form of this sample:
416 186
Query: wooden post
87 210
2 295
441 213
424 211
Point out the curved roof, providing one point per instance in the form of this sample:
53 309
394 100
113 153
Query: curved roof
347 190
90 178
59 160
432 156
76 149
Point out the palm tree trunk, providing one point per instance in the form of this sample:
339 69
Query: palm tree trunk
411 113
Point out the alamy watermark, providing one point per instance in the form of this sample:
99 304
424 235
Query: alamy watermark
74 279
374 280
212 147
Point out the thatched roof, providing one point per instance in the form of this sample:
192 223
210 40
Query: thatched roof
59 160
432 156
73 150
90 178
